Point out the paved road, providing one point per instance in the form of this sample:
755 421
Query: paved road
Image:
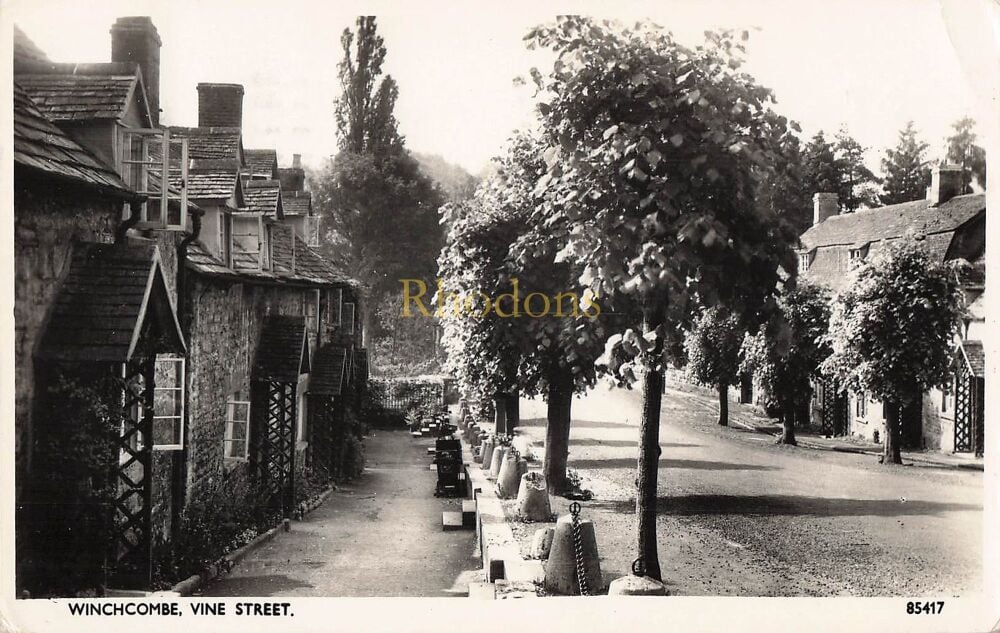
380 536
741 516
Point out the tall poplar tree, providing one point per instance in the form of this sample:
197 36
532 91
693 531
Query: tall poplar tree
906 168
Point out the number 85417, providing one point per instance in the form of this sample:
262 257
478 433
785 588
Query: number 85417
914 607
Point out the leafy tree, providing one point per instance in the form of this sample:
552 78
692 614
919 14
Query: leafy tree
380 210
456 183
906 168
713 353
786 356
364 113
822 171
857 185
493 249
963 150
892 329
652 161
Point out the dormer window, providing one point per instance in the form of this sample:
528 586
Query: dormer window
225 238
147 158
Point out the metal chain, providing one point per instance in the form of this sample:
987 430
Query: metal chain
581 572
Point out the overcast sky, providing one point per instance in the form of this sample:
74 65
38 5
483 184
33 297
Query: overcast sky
869 66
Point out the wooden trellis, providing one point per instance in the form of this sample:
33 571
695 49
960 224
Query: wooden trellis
132 506
321 441
275 450
964 405
834 405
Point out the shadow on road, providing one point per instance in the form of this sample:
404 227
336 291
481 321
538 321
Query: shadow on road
588 441
698 464
261 586
578 424
788 505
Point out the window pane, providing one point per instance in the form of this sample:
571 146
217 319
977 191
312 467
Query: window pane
166 431
240 411
167 402
238 431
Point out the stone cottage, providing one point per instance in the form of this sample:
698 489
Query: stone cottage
953 227
164 259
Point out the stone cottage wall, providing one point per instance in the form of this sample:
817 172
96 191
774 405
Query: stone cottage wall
47 221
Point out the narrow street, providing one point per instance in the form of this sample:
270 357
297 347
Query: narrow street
739 515
378 536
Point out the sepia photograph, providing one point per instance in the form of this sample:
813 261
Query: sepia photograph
542 307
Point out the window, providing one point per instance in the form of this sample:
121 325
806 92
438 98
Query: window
310 309
146 159
349 317
226 238
803 262
334 299
861 406
168 403
237 438
945 393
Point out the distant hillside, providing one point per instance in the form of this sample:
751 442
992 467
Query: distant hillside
456 183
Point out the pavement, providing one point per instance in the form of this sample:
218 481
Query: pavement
739 515
378 536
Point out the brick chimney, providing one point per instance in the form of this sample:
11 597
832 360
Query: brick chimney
946 183
220 105
134 39
825 205
297 161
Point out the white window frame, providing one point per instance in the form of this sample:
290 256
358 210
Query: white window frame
181 361
154 213
234 400
334 295
350 322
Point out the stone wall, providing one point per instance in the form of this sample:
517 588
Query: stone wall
47 221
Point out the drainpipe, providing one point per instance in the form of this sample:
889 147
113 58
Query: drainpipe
181 258
181 458
134 207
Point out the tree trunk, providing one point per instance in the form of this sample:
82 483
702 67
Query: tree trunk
500 413
560 402
787 425
723 404
512 405
649 452
648 466
893 434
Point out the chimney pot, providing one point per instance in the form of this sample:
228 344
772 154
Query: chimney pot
135 39
220 105
946 183
825 205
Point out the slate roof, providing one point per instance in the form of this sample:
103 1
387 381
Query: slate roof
261 162
328 371
212 143
263 196
893 221
40 145
104 303
974 355
82 92
282 353
210 184
296 202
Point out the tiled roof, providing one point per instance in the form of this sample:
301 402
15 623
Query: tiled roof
296 202
262 162
211 143
327 375
200 260
209 184
263 196
975 356
282 353
40 145
103 303
871 225
76 97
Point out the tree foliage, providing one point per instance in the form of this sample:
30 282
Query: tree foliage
963 151
786 357
653 156
713 347
906 168
892 328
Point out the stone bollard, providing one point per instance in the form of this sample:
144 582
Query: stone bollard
533 498
637 586
496 462
541 543
487 454
509 477
476 439
560 570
